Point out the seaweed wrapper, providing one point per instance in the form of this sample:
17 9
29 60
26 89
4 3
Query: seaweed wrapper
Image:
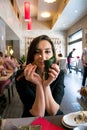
48 64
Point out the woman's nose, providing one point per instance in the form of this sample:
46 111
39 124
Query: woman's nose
43 56
40 55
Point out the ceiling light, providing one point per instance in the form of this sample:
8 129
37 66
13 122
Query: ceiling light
76 11
64 24
50 1
45 14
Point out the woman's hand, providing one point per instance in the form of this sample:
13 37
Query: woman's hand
84 65
38 107
31 75
53 74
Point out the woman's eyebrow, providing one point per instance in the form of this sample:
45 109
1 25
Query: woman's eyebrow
38 49
48 49
44 49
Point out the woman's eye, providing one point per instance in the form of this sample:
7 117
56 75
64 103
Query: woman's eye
47 51
37 52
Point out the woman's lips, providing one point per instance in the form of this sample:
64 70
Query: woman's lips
41 62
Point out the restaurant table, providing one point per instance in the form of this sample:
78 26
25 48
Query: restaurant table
4 78
7 124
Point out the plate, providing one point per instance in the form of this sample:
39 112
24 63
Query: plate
80 128
69 119
70 127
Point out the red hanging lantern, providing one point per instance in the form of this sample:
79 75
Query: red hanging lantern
29 27
26 11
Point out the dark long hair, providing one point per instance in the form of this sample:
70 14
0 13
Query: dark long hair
33 47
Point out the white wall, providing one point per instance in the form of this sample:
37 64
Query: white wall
2 37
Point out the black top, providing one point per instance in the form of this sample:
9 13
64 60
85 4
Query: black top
27 92
70 54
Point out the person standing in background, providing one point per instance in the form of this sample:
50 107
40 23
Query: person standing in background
69 59
84 63
8 64
3 99
14 62
1 61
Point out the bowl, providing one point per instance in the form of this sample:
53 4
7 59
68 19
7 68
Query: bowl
82 127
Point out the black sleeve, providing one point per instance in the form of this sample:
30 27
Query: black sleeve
58 88
26 92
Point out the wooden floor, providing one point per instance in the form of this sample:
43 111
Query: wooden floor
71 101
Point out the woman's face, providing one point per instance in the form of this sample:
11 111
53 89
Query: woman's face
43 52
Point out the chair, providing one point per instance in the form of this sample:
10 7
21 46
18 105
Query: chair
5 85
80 66
63 64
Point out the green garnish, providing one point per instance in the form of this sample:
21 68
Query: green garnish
48 64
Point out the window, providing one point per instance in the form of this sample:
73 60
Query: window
75 36
75 41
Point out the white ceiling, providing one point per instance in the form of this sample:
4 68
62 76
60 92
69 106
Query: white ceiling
69 17
66 19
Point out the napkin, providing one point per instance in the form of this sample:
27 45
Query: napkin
45 124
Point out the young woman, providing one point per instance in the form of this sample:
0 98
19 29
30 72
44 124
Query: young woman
41 97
